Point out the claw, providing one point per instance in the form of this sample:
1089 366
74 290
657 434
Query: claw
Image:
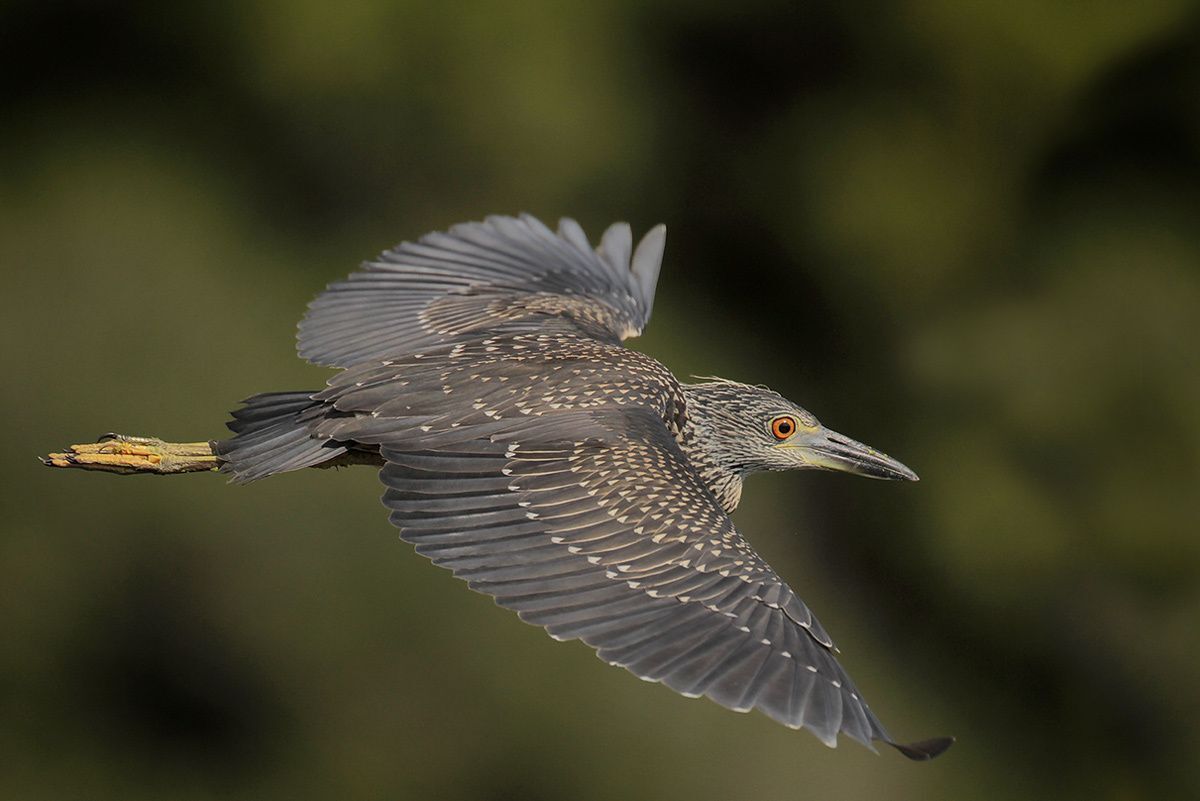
112 435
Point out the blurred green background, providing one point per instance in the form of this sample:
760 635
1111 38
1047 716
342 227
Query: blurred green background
966 233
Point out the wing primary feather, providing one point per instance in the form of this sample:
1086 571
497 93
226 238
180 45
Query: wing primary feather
573 232
647 261
616 247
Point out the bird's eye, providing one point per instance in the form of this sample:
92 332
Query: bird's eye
783 427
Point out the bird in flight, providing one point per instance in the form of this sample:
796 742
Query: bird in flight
576 481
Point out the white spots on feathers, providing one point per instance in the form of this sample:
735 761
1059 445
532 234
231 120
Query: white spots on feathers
659 533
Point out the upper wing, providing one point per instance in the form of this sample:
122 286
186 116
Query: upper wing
593 525
504 275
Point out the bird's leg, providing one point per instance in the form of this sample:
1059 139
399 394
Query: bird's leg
126 455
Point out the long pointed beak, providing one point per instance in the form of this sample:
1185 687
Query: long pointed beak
830 450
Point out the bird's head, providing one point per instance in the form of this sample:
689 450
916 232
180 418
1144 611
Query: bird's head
749 429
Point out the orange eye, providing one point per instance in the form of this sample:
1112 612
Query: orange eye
783 427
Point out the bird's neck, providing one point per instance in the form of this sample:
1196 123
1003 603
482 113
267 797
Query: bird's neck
726 485
724 481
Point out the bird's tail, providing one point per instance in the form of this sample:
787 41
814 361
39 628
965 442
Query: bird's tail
272 435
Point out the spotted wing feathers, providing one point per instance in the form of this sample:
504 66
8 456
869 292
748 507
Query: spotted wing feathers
593 526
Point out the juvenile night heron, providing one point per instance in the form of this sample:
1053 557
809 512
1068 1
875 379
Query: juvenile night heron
576 481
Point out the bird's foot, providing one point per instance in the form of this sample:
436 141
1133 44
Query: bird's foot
125 455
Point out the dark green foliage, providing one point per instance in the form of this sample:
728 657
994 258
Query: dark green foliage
966 233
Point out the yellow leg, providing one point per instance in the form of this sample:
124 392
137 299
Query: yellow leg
126 455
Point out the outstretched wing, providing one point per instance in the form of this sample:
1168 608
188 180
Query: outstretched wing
593 524
503 275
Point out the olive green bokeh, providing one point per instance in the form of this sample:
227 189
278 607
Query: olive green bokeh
966 233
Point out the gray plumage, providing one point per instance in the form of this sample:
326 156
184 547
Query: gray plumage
576 481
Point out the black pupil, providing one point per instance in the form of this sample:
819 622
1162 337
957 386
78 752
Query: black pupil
785 427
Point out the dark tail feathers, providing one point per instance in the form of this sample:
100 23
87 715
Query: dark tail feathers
271 435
